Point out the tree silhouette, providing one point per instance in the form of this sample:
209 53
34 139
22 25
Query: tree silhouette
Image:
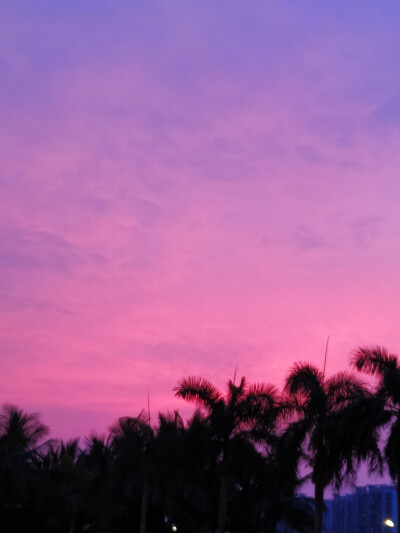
66 494
232 419
133 445
183 464
20 436
97 463
282 480
235 464
326 410
377 361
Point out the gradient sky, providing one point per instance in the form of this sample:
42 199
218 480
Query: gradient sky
191 186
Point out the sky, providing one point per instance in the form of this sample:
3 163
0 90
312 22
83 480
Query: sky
191 187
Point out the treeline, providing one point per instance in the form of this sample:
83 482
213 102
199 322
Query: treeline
233 466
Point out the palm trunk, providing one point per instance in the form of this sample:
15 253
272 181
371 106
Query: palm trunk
223 502
319 506
144 507
72 525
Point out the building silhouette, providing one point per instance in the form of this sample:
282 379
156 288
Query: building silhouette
363 511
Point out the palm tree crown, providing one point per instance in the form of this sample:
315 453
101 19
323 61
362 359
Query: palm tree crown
326 410
19 430
379 362
245 410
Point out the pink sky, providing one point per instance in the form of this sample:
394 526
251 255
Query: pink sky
187 187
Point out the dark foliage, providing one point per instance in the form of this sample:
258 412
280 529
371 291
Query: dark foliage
234 464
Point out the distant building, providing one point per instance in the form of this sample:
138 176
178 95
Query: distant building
363 511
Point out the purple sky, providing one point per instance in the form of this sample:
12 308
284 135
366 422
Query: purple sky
191 186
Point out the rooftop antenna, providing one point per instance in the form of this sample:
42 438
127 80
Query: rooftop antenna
148 406
234 375
326 354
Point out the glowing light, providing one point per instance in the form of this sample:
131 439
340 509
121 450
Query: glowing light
389 522
174 528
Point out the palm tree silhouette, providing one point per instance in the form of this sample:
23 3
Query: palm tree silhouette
66 494
133 445
182 461
377 361
244 409
96 462
20 431
20 436
326 413
282 481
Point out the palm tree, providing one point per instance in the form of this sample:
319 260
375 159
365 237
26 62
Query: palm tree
65 488
268 489
195 476
328 418
20 431
20 436
233 417
133 445
377 361
282 480
181 465
97 462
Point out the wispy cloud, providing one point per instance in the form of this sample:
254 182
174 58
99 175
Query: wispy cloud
307 239
190 187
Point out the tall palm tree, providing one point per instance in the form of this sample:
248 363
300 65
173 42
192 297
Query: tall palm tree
197 473
282 480
327 412
379 362
232 417
133 445
268 495
168 457
183 463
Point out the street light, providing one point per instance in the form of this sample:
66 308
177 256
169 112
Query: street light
388 522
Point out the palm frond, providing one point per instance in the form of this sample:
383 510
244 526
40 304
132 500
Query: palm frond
21 429
305 380
264 390
293 405
172 420
134 427
304 377
343 388
198 390
373 360
262 404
